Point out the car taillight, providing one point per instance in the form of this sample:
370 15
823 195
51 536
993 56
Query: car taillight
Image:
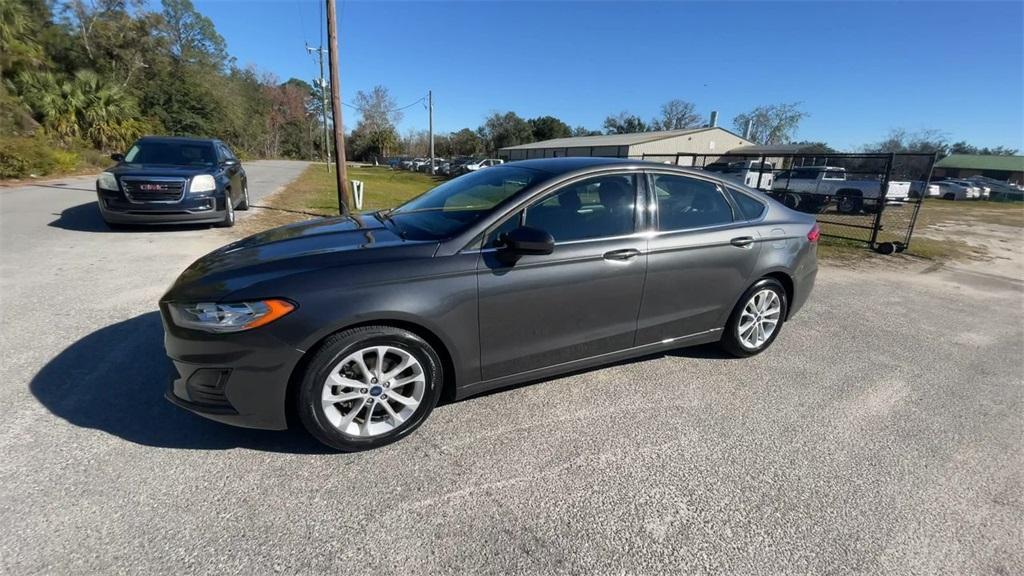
815 233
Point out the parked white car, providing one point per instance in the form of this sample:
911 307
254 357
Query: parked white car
487 163
983 191
918 185
746 172
952 190
811 188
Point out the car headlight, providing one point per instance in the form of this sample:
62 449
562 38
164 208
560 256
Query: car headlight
202 183
234 317
106 181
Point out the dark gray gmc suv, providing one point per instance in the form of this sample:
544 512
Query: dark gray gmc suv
173 180
358 325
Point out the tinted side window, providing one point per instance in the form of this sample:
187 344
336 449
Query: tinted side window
599 207
750 208
685 203
493 239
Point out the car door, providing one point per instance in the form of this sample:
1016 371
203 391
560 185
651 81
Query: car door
699 260
581 300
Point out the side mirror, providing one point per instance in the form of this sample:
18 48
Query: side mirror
117 157
526 241
230 163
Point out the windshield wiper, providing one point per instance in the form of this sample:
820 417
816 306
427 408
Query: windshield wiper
384 215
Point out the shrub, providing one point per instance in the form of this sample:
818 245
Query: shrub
12 165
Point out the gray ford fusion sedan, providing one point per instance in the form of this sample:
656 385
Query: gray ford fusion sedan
357 326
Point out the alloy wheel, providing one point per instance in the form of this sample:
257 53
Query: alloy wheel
373 391
759 318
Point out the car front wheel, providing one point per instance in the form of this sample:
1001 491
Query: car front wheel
757 319
369 386
229 212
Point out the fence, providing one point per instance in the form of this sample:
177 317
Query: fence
871 198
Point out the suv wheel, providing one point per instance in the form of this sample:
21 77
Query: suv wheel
756 320
244 204
229 212
369 386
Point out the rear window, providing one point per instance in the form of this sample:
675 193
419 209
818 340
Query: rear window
750 208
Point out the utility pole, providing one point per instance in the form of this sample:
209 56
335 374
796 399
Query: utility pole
322 85
339 131
430 108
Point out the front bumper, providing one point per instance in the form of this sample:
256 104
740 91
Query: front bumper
117 209
239 379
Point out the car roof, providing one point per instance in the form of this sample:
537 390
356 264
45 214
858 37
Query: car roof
178 139
571 163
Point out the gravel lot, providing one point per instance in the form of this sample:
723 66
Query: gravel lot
881 434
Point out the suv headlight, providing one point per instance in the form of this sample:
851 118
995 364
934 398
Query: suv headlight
234 317
202 183
106 181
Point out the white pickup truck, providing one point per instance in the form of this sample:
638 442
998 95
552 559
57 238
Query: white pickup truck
746 172
812 188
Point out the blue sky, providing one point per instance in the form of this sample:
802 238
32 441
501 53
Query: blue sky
859 68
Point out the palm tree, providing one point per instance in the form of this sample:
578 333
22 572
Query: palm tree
83 106
16 43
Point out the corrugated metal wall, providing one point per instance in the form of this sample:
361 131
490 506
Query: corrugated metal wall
706 142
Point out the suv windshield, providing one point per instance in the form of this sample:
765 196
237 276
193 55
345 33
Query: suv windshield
173 153
455 205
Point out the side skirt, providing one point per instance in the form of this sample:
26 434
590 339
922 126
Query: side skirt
706 337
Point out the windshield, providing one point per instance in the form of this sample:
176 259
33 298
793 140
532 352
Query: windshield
455 205
173 153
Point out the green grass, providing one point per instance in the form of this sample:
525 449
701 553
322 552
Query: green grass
314 193
315 190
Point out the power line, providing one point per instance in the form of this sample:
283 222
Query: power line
302 21
387 111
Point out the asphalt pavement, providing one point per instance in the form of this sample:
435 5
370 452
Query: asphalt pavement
881 434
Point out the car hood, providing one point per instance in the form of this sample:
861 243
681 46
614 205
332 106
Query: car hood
291 249
159 170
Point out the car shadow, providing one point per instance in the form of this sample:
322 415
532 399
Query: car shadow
114 380
86 218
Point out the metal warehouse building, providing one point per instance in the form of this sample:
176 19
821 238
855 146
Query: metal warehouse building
708 140
1005 168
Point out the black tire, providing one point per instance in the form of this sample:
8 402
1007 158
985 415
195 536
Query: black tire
949 196
244 204
334 350
229 213
730 336
886 248
791 201
849 204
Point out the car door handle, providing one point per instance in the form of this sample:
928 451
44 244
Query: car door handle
620 255
742 241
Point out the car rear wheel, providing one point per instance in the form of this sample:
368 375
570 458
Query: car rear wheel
757 319
244 204
849 204
369 386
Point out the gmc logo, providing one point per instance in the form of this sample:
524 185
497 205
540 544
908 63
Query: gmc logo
152 187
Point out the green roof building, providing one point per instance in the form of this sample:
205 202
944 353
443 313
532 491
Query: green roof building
1005 168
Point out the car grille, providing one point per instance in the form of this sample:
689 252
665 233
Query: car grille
153 189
